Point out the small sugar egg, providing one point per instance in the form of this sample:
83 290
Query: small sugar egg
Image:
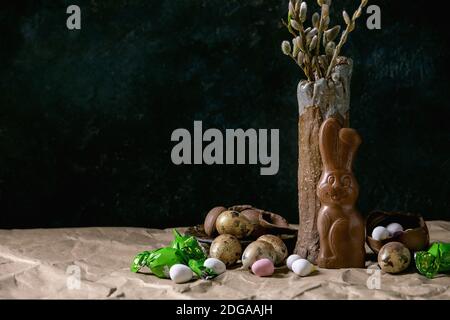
180 273
393 228
263 268
380 233
216 265
303 267
291 260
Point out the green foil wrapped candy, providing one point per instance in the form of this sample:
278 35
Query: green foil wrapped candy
159 261
183 250
434 261
189 246
197 266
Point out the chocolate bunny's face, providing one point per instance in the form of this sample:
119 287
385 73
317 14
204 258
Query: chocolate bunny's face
338 146
338 187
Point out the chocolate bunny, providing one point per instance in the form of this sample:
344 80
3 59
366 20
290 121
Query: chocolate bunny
340 225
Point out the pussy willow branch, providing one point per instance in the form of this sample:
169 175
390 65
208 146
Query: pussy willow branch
323 16
350 27
307 45
305 67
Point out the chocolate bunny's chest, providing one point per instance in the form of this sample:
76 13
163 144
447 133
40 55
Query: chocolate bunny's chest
348 225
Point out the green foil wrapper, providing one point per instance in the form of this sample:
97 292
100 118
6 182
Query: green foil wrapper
189 246
159 261
200 270
434 261
183 250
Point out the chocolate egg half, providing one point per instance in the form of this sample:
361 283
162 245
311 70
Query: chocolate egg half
210 220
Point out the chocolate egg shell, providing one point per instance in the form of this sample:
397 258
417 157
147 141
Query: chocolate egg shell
415 237
210 220
265 222
394 257
253 216
273 220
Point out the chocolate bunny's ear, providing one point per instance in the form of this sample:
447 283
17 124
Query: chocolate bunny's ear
349 142
329 143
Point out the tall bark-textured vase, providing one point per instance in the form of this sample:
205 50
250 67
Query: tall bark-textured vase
317 102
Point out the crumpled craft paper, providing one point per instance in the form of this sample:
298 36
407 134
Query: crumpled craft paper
93 263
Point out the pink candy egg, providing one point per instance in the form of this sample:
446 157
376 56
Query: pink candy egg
263 268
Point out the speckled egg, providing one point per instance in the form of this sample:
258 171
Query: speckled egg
226 248
394 257
231 222
258 250
281 250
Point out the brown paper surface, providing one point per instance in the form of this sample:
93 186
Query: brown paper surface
38 264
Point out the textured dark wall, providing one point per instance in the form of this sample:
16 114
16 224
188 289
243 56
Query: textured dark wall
86 117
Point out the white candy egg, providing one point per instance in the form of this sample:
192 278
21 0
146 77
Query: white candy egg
291 260
180 273
303 267
393 228
216 265
380 233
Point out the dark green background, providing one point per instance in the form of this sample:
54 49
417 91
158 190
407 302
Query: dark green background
86 117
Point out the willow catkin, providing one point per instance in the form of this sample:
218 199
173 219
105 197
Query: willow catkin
286 48
351 24
295 25
296 47
301 58
312 33
300 43
346 17
329 49
303 11
325 11
326 23
297 5
316 20
332 33
323 61
291 9
306 45
313 43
